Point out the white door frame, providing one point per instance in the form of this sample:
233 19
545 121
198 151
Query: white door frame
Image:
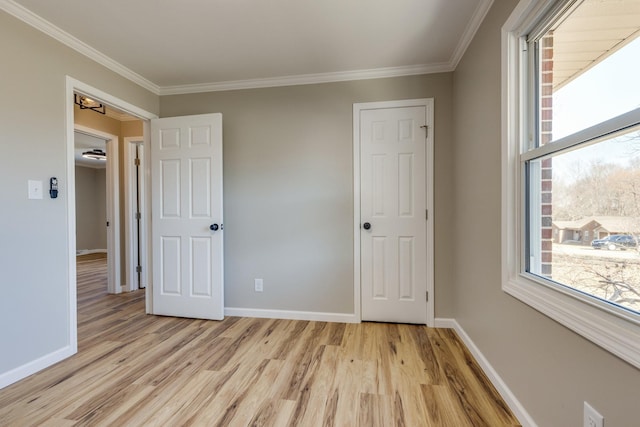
357 108
72 85
130 191
114 285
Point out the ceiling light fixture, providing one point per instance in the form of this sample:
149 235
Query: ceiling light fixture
95 154
88 104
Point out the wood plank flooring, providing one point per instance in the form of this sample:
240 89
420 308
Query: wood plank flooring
138 370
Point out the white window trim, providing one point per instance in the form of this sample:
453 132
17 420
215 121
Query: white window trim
604 325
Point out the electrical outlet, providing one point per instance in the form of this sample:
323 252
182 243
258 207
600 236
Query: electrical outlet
591 417
258 285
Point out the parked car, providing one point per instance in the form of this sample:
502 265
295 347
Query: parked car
615 241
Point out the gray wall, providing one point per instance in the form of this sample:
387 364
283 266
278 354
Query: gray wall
34 249
288 188
91 209
549 368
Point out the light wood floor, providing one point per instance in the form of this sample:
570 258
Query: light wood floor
135 370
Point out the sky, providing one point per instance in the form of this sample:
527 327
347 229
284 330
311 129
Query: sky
605 91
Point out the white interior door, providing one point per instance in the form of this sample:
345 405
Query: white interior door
187 236
393 208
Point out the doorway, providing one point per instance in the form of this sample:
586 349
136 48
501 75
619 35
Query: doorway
98 151
74 86
393 207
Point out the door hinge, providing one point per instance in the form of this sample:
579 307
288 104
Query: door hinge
138 215
138 269
426 214
136 162
427 295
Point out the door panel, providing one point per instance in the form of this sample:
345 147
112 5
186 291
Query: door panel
170 260
200 185
378 263
406 267
393 201
170 188
201 266
405 185
186 167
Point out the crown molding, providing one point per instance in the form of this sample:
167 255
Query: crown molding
470 31
306 79
67 39
30 18
121 117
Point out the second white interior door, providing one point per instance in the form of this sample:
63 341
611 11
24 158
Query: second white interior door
393 214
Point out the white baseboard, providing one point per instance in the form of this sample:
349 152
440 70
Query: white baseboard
514 404
445 323
90 251
292 315
30 368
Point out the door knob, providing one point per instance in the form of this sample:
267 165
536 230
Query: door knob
366 226
213 227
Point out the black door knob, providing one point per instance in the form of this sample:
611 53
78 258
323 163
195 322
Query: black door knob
213 227
366 226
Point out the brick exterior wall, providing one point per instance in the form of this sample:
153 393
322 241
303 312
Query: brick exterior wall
546 128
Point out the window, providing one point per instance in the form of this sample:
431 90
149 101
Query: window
571 158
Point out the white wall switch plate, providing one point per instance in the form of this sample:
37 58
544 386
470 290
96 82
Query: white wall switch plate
258 285
35 189
591 417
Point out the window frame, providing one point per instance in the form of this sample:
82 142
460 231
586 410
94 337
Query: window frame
610 327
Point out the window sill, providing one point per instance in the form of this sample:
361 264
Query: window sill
614 333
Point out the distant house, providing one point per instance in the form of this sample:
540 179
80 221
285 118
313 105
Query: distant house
584 230
617 225
580 231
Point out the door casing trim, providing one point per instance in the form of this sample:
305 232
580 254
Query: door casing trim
130 191
429 176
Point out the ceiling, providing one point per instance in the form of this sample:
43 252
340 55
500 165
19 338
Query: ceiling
84 142
202 45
